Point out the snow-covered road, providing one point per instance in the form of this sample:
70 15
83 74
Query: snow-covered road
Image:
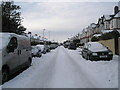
63 68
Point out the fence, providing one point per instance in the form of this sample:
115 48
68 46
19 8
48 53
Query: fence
110 44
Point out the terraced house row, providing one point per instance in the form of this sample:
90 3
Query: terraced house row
105 24
107 28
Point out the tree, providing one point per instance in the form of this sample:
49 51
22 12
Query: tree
76 41
11 20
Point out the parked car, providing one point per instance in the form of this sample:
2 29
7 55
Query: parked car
53 46
15 54
96 51
66 45
36 51
43 49
47 47
72 46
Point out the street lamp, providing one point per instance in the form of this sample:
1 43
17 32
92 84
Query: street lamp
43 36
49 35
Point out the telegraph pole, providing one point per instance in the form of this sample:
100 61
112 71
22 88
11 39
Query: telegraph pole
43 36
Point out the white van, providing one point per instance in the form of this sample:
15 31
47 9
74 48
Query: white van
15 54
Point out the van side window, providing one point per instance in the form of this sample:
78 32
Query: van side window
12 44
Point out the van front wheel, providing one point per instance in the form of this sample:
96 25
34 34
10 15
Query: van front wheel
5 75
29 62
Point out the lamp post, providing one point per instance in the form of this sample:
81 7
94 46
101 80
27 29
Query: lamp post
49 35
43 36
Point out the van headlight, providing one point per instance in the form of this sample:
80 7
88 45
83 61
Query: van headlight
110 52
95 54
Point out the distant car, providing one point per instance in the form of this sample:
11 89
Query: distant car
72 46
43 49
53 46
96 51
66 45
47 47
36 52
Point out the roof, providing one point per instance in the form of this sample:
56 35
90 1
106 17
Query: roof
97 35
118 14
106 31
107 17
93 25
118 31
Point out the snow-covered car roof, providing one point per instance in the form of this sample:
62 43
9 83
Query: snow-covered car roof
96 47
41 46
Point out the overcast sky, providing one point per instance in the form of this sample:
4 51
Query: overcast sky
62 19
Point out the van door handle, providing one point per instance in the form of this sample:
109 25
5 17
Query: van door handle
18 52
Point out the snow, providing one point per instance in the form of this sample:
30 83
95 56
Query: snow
117 15
107 17
106 31
96 35
118 31
41 47
0 87
34 50
5 38
63 68
96 47
93 25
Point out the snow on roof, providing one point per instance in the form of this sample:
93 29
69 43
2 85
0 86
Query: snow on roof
117 15
107 17
41 46
5 37
106 31
96 35
118 31
93 25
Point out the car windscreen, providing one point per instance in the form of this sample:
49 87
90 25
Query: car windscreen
96 47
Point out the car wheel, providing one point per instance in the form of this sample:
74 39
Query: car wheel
29 63
82 54
88 57
91 58
39 55
5 75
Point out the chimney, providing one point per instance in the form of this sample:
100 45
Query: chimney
116 9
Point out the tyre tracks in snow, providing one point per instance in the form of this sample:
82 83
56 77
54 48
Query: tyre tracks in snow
68 74
47 72
81 78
